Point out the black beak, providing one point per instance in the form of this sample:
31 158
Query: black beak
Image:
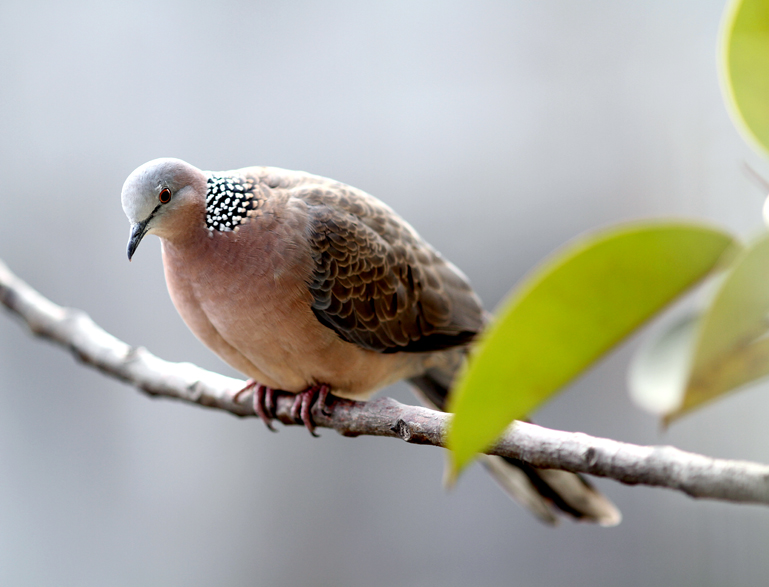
138 231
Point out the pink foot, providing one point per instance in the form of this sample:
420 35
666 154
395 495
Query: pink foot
264 401
301 410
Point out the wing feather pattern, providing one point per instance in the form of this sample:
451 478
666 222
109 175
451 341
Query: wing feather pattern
375 282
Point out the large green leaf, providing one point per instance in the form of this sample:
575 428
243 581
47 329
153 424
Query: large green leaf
567 314
744 67
726 346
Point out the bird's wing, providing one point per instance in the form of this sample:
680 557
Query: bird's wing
374 281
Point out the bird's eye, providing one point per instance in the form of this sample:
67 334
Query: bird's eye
164 196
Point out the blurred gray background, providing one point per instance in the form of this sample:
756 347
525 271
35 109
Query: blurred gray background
498 129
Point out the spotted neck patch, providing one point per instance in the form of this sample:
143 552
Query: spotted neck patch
230 201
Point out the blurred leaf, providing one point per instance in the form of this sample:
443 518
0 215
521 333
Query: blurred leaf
743 364
740 306
567 314
660 370
659 377
730 349
744 67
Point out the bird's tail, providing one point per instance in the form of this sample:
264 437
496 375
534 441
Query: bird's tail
544 492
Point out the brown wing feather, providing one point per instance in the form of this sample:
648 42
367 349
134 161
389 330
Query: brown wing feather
375 282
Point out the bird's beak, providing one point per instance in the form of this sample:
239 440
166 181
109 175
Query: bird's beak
138 230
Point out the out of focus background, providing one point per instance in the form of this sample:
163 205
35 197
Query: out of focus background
498 129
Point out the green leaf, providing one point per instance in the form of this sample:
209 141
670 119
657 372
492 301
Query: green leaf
714 352
744 67
731 348
740 307
745 363
566 315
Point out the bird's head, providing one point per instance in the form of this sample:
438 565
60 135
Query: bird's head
155 195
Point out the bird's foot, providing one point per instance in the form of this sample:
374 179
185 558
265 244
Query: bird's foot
301 411
264 401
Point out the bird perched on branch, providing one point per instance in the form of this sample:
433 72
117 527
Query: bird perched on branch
309 286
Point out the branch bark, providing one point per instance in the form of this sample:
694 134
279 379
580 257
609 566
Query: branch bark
663 466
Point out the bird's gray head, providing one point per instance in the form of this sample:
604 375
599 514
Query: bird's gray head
154 191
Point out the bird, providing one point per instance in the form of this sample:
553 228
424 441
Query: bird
312 287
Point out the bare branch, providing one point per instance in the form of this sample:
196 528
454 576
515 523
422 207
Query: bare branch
663 466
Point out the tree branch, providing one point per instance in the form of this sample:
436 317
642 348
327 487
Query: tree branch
664 466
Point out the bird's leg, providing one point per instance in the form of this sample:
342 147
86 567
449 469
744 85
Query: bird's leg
268 401
264 401
322 397
303 403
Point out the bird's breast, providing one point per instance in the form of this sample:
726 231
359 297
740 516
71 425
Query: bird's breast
244 294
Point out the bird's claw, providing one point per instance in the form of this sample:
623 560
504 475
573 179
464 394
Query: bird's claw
301 411
264 401
264 405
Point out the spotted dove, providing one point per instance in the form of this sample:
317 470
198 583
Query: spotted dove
304 283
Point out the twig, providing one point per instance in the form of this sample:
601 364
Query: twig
664 466
755 177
